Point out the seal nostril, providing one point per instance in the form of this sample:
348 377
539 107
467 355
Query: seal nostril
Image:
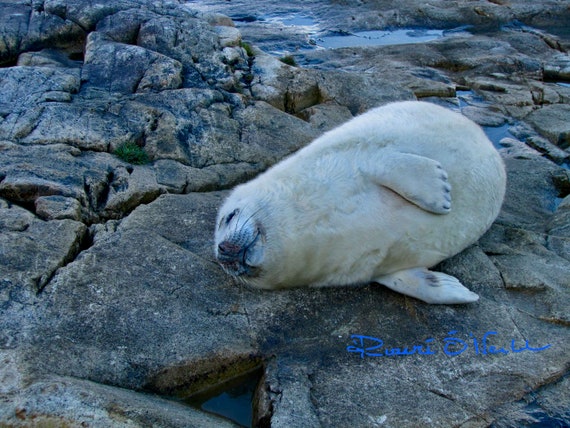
226 248
222 248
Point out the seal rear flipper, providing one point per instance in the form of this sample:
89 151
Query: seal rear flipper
418 179
431 287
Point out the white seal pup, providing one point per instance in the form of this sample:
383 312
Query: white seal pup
379 199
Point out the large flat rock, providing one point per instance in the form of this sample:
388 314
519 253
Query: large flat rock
169 317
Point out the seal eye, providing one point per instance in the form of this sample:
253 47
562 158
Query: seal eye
231 215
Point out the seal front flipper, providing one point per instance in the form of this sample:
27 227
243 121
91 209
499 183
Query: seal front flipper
431 287
420 180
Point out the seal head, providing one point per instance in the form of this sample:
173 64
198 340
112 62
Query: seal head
239 241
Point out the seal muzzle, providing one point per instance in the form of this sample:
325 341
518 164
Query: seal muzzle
235 255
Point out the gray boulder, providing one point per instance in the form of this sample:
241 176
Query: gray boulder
25 28
32 249
94 185
558 69
134 69
26 87
552 121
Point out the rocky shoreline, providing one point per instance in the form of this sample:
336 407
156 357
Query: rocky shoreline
111 302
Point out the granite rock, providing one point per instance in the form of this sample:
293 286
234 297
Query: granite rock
112 304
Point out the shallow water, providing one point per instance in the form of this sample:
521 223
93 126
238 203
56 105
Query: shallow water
497 133
280 31
470 98
378 38
302 21
494 133
232 400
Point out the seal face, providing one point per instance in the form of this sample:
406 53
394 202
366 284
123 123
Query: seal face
378 199
240 240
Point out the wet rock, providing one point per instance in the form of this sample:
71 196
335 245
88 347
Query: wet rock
541 144
484 116
552 121
293 406
229 36
55 175
170 36
524 208
294 89
189 41
217 19
218 177
31 172
169 123
516 100
71 124
546 94
179 178
354 14
543 405
165 261
541 274
48 58
530 254
347 89
558 69
560 222
513 148
86 14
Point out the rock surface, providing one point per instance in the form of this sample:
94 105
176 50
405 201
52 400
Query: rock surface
112 305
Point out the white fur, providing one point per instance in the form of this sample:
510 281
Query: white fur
369 199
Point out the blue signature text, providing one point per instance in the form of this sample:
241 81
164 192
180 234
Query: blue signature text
368 346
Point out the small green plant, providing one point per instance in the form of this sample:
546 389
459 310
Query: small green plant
248 78
132 153
289 60
248 49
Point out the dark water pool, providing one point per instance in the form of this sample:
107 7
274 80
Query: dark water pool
232 400
497 133
494 133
